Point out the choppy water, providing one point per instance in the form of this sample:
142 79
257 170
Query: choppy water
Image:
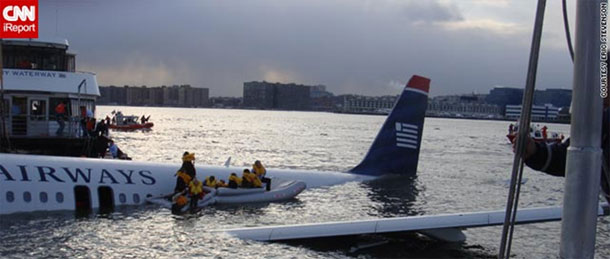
464 166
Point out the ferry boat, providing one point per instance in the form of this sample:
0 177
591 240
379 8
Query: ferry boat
39 74
537 133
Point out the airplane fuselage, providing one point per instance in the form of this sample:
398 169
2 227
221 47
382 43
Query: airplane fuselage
34 183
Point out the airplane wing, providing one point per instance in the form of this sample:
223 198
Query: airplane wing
445 227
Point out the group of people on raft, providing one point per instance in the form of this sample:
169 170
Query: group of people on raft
188 186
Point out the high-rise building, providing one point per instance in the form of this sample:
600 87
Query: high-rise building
265 95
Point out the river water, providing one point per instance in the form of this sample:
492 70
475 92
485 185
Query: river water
464 166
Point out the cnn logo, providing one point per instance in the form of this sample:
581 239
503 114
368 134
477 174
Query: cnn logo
19 19
24 13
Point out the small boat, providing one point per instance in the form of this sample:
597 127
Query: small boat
536 133
130 122
280 190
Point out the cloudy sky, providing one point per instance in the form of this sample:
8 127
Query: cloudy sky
367 47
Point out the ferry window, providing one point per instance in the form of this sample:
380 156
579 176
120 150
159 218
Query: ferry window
43 197
59 197
38 109
70 63
136 198
122 198
10 196
27 196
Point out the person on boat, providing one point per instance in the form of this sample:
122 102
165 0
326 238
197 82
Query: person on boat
246 179
186 173
179 200
249 180
510 128
60 111
91 126
234 181
221 183
551 158
259 170
195 193
544 135
101 129
210 181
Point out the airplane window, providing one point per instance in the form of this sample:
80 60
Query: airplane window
10 196
122 198
59 197
136 198
43 197
27 197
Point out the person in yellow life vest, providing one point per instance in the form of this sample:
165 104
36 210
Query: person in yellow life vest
210 181
246 179
195 192
179 200
251 179
186 173
221 183
234 181
259 170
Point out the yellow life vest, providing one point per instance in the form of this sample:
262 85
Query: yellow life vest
250 177
256 182
259 170
195 187
209 183
185 177
235 178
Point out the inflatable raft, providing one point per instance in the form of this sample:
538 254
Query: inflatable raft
280 190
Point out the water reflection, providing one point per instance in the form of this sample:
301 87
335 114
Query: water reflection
394 195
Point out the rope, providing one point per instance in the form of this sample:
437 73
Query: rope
524 121
566 27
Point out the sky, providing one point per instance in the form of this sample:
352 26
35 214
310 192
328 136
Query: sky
369 47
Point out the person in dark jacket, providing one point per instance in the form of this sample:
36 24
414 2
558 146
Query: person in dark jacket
186 173
551 158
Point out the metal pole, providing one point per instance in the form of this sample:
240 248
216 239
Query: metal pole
583 166
524 128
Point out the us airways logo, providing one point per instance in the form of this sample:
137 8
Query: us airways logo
19 18
406 135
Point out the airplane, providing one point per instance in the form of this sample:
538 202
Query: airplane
41 183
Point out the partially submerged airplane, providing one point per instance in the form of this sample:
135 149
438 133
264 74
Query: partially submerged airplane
35 183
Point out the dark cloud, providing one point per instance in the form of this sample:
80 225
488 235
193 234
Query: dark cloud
363 47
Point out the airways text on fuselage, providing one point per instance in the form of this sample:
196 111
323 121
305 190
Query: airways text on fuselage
46 174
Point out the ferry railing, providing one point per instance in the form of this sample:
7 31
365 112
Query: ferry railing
40 126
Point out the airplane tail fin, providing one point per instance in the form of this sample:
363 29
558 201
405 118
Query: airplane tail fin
396 147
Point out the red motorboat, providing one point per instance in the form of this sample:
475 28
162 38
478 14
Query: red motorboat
536 133
122 122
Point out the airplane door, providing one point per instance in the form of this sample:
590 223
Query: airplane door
82 199
106 199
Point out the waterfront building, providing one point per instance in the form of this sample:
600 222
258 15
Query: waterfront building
175 96
367 104
265 95
546 112
472 106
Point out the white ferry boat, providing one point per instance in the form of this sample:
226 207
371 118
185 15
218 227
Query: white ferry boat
37 76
